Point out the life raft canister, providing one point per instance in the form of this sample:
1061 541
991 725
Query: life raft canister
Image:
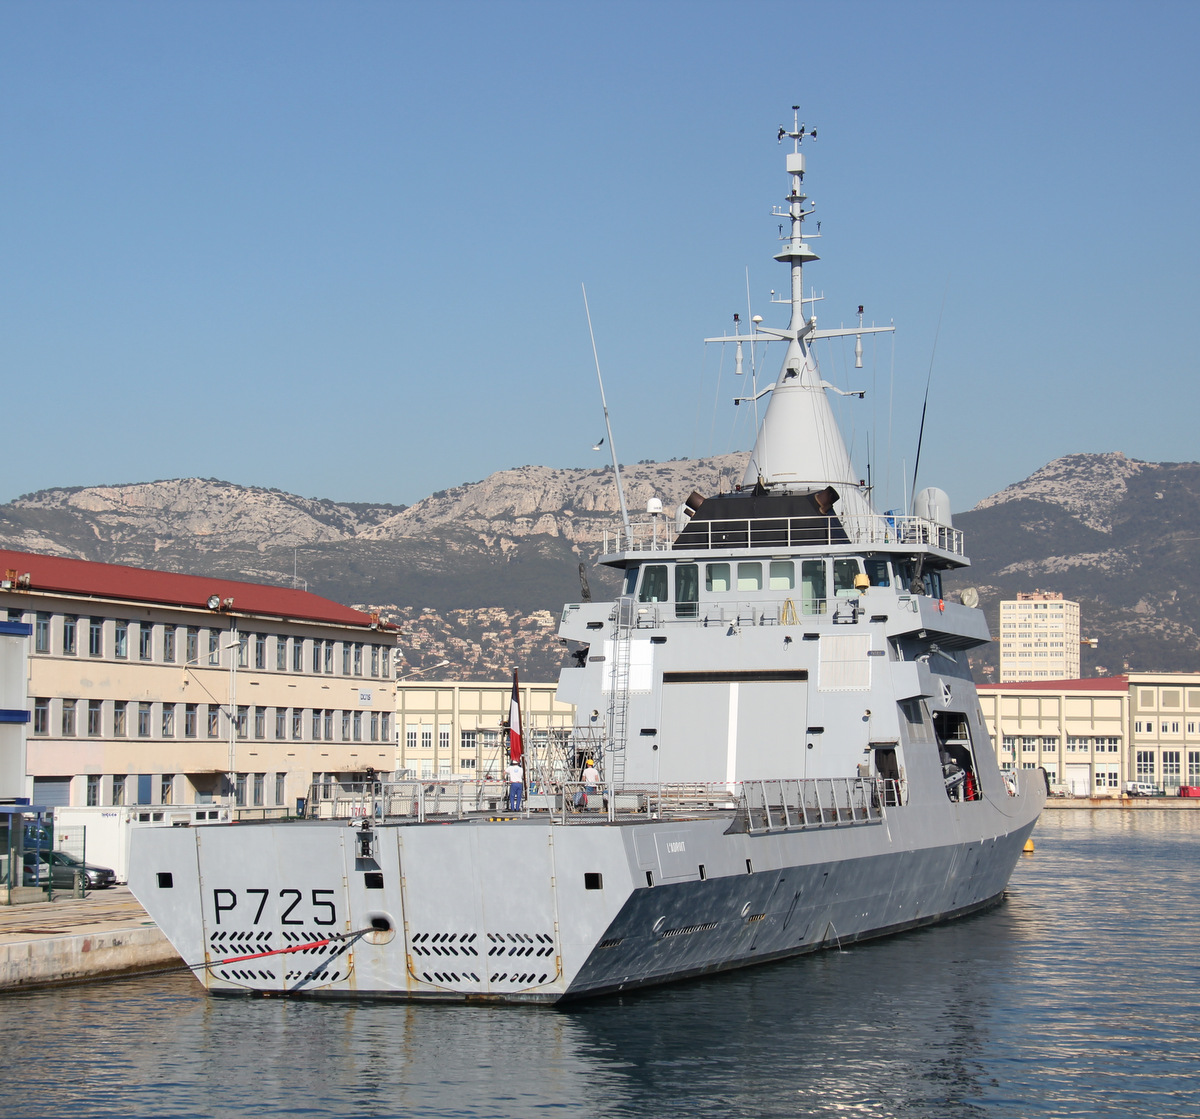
942 605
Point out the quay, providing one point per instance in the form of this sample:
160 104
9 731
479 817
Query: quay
73 939
1129 804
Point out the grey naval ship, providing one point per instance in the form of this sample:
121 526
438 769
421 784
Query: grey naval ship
790 754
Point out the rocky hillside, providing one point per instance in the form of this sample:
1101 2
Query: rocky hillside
510 543
1117 535
476 574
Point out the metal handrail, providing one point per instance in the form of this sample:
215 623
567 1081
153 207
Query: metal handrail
774 805
784 532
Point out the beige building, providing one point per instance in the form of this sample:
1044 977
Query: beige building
147 687
457 729
1039 637
1095 736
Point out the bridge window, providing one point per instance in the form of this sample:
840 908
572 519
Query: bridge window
782 575
687 590
716 577
749 576
877 572
812 586
844 571
654 584
631 580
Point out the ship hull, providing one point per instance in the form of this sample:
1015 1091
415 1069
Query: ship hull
537 912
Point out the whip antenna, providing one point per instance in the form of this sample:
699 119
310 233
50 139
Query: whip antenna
612 447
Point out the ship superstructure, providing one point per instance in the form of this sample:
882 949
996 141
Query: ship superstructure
790 748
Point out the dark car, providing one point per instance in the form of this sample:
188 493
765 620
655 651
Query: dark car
60 869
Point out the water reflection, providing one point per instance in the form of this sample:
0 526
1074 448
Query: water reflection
1081 996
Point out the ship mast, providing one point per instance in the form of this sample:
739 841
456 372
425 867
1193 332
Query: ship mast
799 448
796 252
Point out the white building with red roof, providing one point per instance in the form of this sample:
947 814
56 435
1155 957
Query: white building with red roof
148 687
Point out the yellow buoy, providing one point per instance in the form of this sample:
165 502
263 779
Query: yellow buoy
1028 846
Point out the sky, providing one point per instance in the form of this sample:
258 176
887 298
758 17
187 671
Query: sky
337 248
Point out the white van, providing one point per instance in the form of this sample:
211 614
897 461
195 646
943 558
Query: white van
1141 789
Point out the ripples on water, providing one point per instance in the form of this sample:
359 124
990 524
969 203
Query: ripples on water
1080 996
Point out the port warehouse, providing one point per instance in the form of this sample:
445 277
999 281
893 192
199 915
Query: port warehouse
141 693
147 687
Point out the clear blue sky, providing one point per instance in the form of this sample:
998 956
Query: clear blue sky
337 248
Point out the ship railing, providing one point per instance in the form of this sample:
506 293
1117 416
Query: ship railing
760 806
817 802
658 535
747 612
416 799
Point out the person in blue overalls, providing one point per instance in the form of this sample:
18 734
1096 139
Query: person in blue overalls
516 786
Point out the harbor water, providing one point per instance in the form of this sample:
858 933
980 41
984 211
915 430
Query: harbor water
1079 996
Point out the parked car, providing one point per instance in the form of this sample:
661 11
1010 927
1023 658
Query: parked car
1142 789
60 868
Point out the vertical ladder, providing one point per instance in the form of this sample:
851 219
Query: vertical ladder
618 696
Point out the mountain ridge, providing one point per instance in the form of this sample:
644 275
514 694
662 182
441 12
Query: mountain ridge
466 568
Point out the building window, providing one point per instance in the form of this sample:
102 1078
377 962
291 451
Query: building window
214 721
281 722
466 763
144 720
166 789
345 726
192 650
121 644
69 627
119 727
316 724
410 738
243 712
93 791
1145 766
259 782
189 720
297 722
357 726
444 739
95 718
1193 767
260 650
95 637
1170 768
260 722
1029 745
146 641
168 644
41 634
41 716
297 654
68 718
374 660
329 656
467 740
243 643
386 728
329 725
214 646
118 797
168 720
345 658
316 655
281 654
374 726
1050 745
240 789
427 738
358 651
279 788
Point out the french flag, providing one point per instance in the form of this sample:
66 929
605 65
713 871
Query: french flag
514 724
